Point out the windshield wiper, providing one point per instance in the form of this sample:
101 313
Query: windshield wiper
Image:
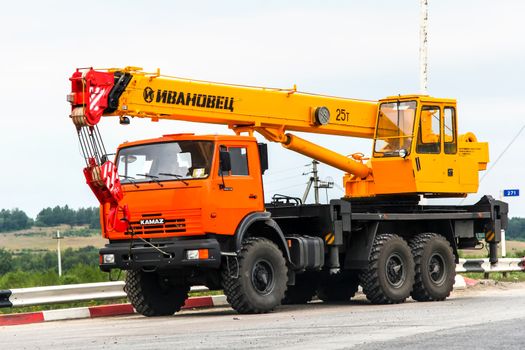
131 179
176 176
153 178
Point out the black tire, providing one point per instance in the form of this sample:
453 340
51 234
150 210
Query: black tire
435 267
256 281
389 277
339 287
150 297
303 291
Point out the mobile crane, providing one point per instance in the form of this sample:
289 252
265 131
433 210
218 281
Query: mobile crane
184 209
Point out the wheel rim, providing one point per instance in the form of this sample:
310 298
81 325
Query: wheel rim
436 268
395 270
263 277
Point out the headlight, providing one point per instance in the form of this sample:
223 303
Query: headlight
108 258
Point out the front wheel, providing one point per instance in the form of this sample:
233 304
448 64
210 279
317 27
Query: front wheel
256 281
153 295
390 273
435 267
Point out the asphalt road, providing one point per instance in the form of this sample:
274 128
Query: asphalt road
477 318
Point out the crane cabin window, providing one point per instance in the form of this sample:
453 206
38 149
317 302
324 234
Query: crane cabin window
429 136
395 126
449 130
167 161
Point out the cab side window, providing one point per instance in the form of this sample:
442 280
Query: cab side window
239 161
449 131
429 135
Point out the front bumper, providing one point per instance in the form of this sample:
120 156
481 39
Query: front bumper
144 256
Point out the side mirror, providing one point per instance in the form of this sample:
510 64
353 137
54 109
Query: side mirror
403 153
225 161
263 156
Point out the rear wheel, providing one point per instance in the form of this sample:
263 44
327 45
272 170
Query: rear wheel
256 281
435 267
153 295
338 287
390 273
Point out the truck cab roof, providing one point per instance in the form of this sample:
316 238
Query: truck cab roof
188 137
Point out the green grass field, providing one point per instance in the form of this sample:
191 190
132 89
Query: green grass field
514 249
41 238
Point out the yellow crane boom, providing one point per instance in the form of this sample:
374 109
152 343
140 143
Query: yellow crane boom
416 145
160 97
269 111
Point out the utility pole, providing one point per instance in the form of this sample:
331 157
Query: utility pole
58 238
423 41
314 179
328 183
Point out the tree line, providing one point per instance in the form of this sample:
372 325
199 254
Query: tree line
516 229
31 269
65 215
16 219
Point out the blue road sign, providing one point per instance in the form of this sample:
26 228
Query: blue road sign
511 193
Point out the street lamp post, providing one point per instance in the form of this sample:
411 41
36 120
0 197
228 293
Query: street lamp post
58 238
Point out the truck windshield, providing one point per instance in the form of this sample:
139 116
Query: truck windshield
182 160
395 127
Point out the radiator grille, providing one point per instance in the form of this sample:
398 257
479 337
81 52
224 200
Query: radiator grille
185 223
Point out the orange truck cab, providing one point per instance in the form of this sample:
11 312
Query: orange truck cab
179 189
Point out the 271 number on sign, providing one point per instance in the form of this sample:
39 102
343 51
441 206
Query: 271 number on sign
511 193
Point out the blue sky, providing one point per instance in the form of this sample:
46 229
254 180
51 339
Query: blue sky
356 49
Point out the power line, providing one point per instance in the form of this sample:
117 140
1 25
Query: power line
285 188
498 158
339 187
270 172
502 153
282 179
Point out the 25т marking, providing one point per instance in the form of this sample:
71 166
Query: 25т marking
342 115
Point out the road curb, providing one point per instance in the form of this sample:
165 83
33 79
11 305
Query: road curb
470 282
459 282
99 311
127 309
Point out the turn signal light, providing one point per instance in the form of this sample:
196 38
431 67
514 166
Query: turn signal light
203 253
197 254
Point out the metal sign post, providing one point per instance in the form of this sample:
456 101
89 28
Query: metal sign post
507 193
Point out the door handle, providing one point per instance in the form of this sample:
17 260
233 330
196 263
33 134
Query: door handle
252 196
418 164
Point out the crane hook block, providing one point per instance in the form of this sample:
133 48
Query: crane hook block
89 96
104 182
114 223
